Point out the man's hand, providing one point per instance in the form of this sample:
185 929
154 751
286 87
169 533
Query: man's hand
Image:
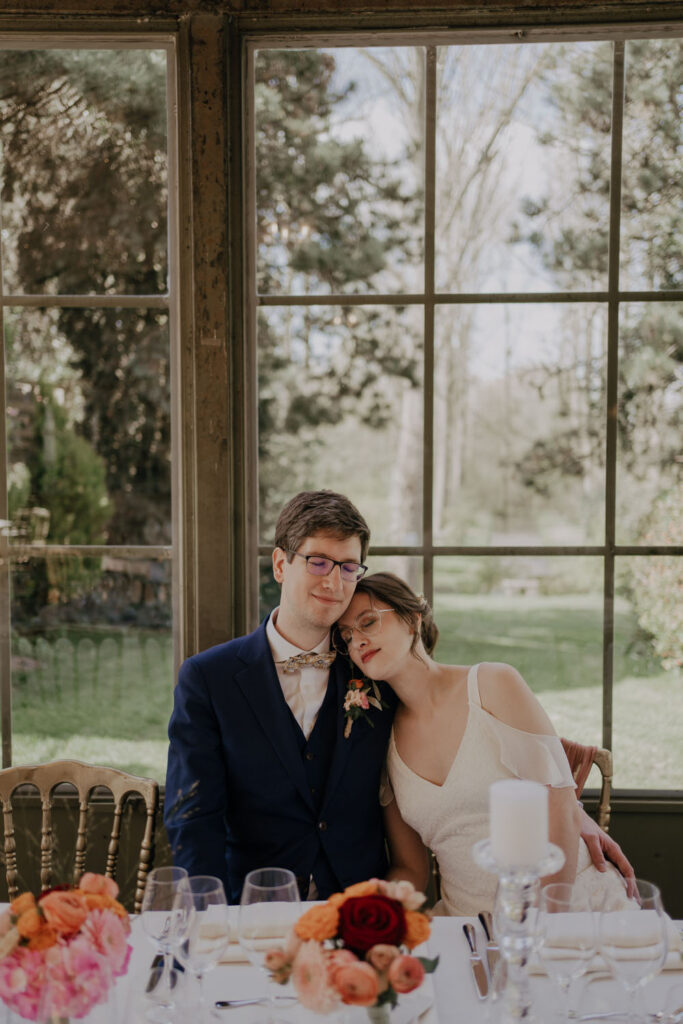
603 848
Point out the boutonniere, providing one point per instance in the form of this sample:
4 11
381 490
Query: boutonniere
360 696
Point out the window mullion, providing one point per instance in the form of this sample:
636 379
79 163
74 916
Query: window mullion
428 371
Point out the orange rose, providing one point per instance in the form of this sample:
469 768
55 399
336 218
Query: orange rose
98 884
318 923
417 929
22 903
29 923
368 888
64 910
44 938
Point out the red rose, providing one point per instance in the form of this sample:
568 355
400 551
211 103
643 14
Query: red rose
365 921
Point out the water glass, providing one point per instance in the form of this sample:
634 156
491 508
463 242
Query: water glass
160 921
205 929
566 937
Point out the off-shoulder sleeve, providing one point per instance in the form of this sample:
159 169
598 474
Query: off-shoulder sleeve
529 755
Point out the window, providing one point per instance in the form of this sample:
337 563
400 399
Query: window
87 581
466 300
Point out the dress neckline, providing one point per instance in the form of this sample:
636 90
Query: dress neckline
428 782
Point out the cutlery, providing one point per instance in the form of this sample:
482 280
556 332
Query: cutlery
476 963
492 951
224 1004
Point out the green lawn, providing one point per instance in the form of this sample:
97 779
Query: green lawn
106 695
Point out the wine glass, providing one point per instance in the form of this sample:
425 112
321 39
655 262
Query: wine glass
205 928
160 923
567 937
633 941
268 909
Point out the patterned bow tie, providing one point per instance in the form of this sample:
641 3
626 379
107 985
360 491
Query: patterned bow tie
318 659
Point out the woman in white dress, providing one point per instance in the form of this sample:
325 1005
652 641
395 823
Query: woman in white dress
457 729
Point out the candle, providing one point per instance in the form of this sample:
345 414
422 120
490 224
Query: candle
518 822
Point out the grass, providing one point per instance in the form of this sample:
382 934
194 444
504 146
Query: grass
106 695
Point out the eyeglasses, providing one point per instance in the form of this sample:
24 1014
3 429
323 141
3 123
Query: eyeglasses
369 623
318 565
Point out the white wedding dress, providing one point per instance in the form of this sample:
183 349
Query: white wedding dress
452 817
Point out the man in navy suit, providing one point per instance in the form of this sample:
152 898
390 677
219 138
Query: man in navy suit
260 772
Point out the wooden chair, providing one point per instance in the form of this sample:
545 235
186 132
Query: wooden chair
581 759
86 778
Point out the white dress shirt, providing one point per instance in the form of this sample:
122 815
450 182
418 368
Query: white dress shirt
305 688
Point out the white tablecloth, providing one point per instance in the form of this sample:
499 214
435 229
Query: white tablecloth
456 1001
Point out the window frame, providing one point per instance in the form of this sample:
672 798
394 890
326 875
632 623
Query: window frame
612 297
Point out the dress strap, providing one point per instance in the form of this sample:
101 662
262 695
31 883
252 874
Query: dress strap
473 686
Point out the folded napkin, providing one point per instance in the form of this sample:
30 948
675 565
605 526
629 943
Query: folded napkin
569 934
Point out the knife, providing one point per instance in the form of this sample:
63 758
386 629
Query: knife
492 951
476 963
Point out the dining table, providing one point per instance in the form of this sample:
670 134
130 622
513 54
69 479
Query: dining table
448 996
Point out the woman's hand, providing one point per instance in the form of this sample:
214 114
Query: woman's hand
603 848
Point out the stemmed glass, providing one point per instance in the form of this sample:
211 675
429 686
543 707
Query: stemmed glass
565 927
160 924
634 941
201 902
268 909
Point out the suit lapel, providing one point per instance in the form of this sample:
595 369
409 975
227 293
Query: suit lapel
260 685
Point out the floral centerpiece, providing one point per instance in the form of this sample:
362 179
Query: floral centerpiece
354 949
60 954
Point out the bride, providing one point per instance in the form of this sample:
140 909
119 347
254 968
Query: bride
456 730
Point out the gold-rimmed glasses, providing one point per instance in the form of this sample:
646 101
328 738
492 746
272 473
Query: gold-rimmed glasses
368 623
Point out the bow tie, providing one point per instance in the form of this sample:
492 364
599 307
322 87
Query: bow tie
317 659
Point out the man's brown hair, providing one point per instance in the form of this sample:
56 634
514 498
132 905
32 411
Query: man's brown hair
312 512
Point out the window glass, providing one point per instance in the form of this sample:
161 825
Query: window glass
339 170
519 411
520 129
341 406
648 643
84 171
92 672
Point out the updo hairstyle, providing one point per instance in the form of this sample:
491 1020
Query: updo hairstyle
386 588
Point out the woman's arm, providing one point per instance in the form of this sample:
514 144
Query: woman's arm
506 696
408 855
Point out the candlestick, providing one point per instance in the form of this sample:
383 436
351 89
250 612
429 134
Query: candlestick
518 822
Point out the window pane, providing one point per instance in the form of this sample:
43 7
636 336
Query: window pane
341 406
88 415
92 672
648 697
84 171
652 212
649 461
339 173
523 149
519 410
542 615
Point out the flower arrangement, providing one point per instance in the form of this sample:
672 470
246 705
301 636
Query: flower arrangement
360 696
60 954
355 948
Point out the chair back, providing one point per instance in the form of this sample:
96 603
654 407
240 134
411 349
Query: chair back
581 759
85 778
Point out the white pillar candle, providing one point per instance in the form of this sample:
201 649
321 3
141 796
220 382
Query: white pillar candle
518 822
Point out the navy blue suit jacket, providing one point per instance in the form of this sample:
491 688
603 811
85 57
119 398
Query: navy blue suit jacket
238 795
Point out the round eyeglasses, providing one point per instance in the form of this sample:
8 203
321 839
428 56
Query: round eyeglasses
318 565
369 623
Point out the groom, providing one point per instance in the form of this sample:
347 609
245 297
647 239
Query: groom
259 770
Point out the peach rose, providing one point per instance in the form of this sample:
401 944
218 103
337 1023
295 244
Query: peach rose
357 984
64 910
9 942
318 923
98 884
381 955
335 959
405 892
417 929
406 973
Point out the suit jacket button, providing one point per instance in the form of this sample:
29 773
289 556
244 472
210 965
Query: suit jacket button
309 755
322 825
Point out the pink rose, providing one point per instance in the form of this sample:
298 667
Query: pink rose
357 984
107 935
406 973
98 884
381 955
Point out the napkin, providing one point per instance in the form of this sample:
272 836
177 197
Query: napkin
569 931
